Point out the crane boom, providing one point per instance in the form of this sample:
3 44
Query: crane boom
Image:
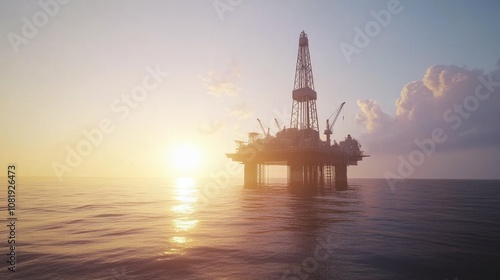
329 127
277 124
337 114
262 127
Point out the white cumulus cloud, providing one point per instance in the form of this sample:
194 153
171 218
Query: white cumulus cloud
464 103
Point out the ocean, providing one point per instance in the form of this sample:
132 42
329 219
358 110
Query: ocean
94 228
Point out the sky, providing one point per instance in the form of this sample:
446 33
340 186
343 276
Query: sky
115 88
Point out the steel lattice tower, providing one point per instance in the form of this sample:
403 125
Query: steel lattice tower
304 114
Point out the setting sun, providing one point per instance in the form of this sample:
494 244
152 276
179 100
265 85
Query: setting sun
186 157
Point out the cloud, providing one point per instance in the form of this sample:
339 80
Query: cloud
240 111
464 103
211 127
371 116
236 112
223 83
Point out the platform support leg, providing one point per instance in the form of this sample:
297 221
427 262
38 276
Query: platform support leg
340 177
296 175
250 174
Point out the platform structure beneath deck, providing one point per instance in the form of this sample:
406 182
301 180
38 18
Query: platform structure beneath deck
307 167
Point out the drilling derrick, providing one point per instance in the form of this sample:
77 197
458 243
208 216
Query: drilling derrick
304 114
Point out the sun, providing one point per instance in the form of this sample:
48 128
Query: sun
186 157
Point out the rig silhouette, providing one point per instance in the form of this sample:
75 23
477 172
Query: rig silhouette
311 161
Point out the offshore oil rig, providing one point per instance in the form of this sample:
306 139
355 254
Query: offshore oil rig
311 161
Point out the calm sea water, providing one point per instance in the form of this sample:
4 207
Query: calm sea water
166 229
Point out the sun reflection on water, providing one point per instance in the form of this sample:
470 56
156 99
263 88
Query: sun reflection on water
183 223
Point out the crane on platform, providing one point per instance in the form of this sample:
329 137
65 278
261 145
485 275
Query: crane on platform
266 134
277 124
329 127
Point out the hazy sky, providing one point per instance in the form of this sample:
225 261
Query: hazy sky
67 68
